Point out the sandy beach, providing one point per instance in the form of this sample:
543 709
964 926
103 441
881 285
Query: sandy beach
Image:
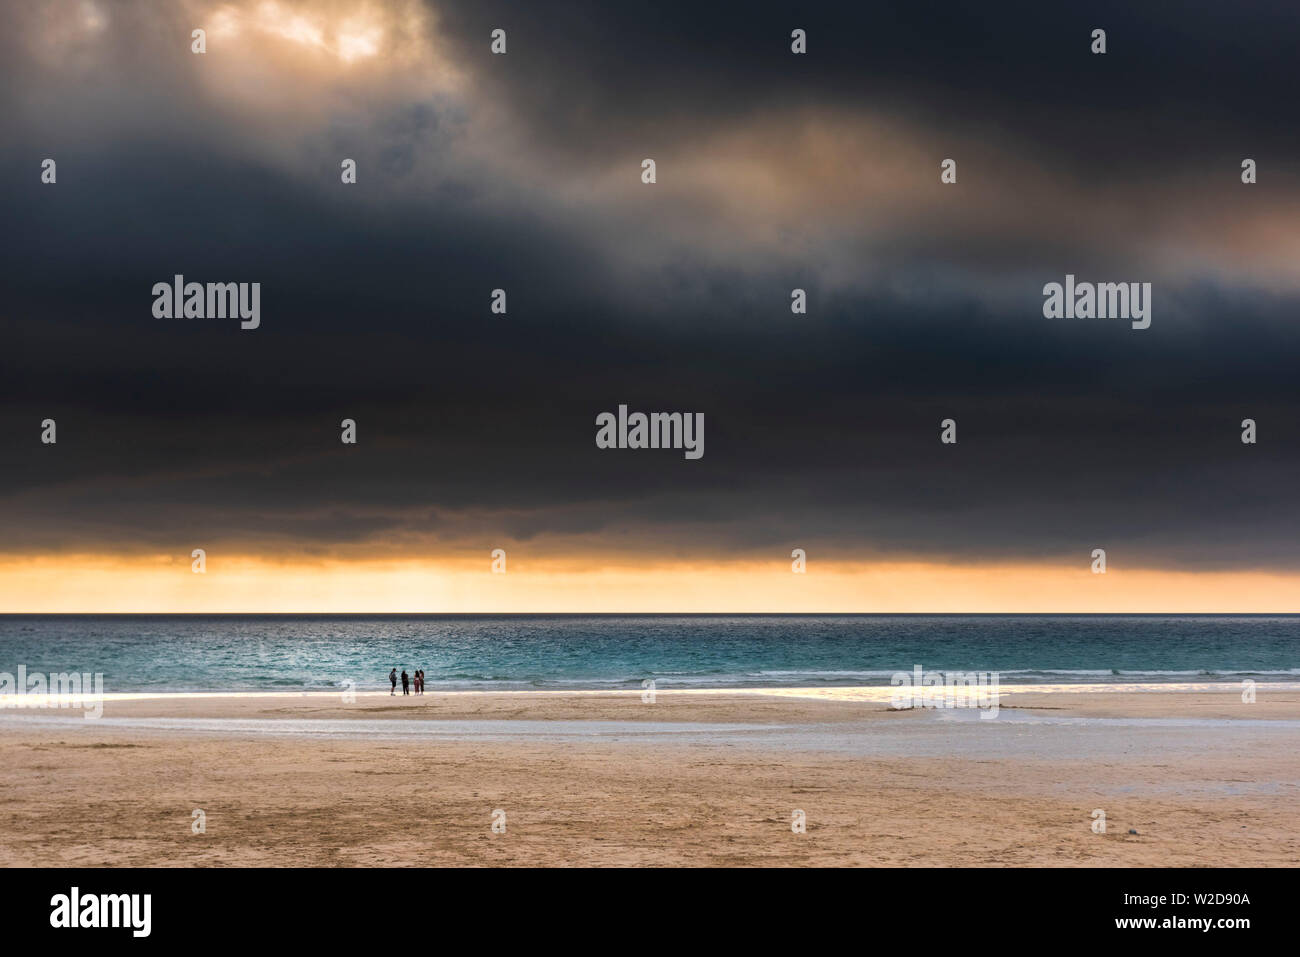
694 778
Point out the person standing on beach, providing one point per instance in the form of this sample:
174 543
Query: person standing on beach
406 682
392 676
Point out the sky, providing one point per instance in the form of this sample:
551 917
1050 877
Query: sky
774 171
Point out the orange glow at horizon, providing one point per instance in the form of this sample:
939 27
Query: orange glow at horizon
104 584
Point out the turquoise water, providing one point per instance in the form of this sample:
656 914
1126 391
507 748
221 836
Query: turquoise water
269 652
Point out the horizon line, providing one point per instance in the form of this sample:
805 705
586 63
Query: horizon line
650 614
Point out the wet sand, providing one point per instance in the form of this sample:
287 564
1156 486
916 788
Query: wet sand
694 778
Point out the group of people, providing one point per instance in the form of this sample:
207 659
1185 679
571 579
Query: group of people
407 681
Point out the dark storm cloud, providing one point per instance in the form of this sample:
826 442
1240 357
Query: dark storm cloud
820 430
1178 84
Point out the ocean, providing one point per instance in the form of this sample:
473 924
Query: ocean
506 652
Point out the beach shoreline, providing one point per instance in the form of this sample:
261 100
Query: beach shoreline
1219 700
879 692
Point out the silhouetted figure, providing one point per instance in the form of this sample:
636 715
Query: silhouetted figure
392 676
406 682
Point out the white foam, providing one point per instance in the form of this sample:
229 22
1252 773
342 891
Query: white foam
882 693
